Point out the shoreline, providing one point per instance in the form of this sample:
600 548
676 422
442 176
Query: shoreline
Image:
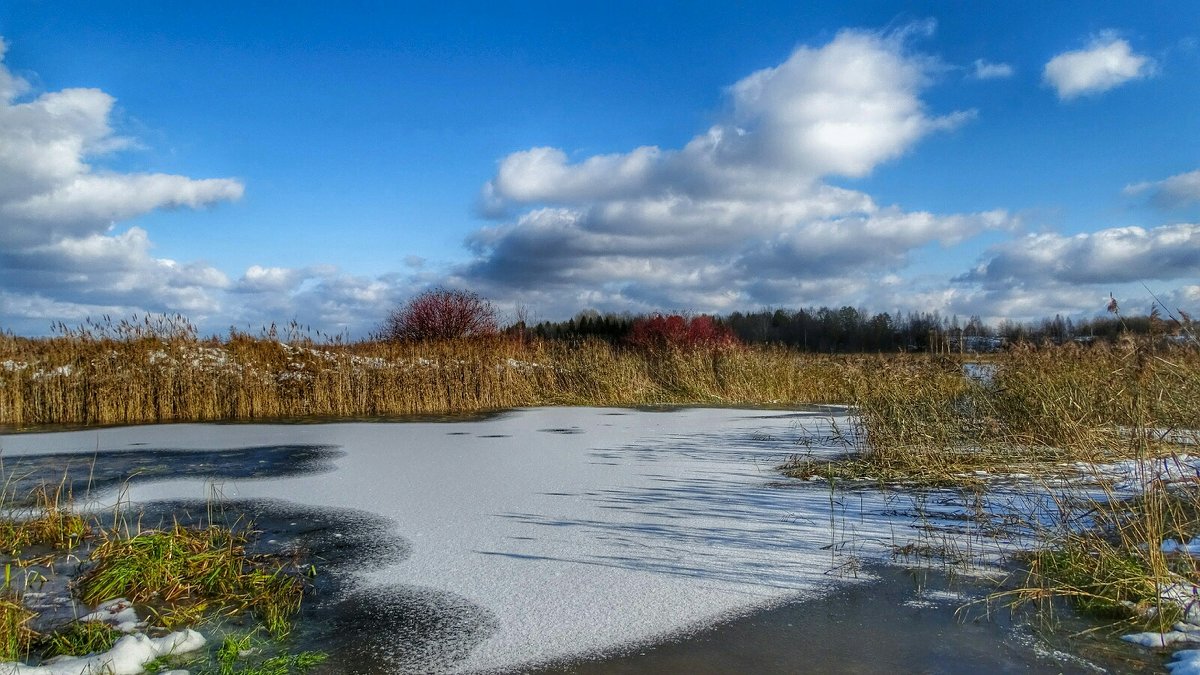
905 618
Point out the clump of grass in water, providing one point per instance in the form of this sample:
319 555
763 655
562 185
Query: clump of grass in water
16 637
184 574
920 422
49 521
77 638
236 650
188 572
1115 568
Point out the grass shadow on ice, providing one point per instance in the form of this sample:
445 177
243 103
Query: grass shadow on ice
728 519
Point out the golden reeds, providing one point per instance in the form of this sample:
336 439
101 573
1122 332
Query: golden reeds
85 379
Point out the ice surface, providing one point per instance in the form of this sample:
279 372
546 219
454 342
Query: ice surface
633 526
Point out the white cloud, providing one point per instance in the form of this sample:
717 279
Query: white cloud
1175 192
1107 62
105 198
837 110
740 215
1114 255
1027 304
986 70
1040 275
59 245
258 279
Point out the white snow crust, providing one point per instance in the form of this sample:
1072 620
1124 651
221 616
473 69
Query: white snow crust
126 657
582 530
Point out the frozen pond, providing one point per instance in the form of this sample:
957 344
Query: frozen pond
531 537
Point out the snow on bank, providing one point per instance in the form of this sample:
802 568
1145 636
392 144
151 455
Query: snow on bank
1186 662
580 530
126 657
118 613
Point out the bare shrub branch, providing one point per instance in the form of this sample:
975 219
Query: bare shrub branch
441 314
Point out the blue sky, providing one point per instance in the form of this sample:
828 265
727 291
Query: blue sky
243 165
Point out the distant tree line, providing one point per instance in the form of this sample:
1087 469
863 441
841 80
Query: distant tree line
848 329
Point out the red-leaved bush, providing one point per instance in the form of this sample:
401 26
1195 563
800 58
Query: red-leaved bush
441 314
675 331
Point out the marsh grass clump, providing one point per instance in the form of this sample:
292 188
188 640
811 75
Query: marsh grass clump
184 576
1118 561
16 636
48 522
917 421
77 638
184 572
1040 411
1122 565
1055 417
286 664
238 655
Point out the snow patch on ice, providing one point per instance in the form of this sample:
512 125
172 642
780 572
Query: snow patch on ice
1190 548
1153 639
1185 662
118 613
127 657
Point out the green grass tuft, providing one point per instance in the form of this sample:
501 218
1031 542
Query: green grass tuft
78 638
185 573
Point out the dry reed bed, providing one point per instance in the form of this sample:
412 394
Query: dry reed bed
920 420
77 380
1046 414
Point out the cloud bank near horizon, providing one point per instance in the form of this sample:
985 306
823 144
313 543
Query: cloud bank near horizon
59 247
66 252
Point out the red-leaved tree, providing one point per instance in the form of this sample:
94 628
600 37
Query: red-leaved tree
678 332
441 314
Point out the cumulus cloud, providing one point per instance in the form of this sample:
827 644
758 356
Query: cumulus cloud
986 70
1114 255
840 110
1107 62
742 212
1038 275
258 279
59 212
1175 192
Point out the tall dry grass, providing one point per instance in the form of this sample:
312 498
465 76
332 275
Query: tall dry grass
136 375
920 419
1055 416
